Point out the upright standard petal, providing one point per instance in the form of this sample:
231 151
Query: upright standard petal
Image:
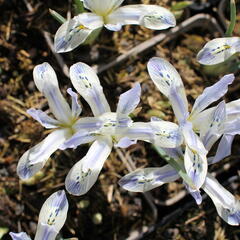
35 158
165 76
179 106
19 236
102 8
218 50
216 126
228 207
211 94
223 150
43 118
146 179
52 216
75 31
84 173
196 166
86 82
129 100
76 107
46 81
149 16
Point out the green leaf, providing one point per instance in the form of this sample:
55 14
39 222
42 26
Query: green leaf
57 16
233 16
78 7
177 165
180 5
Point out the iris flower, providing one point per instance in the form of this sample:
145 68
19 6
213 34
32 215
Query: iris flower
108 128
52 217
109 14
63 124
219 122
219 50
169 82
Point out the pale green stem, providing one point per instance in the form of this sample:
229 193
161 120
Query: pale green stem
233 16
57 16
177 165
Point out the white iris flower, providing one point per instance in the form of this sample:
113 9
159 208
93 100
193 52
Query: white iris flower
228 207
52 217
109 14
169 82
35 158
219 50
108 128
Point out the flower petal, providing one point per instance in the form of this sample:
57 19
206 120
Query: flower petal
76 107
218 50
102 8
43 118
146 179
228 207
165 76
129 100
223 150
71 34
161 133
46 81
125 142
52 216
196 194
149 16
84 173
180 107
19 236
196 166
88 124
216 127
35 158
79 138
211 94
86 82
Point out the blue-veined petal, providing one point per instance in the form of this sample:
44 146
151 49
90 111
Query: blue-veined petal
102 8
175 153
43 118
75 31
191 138
146 179
196 194
232 127
88 124
125 142
196 166
84 173
223 150
86 82
218 50
129 100
19 236
149 16
232 111
35 158
228 207
179 107
165 76
76 107
216 127
46 81
161 133
52 216
79 138
211 94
